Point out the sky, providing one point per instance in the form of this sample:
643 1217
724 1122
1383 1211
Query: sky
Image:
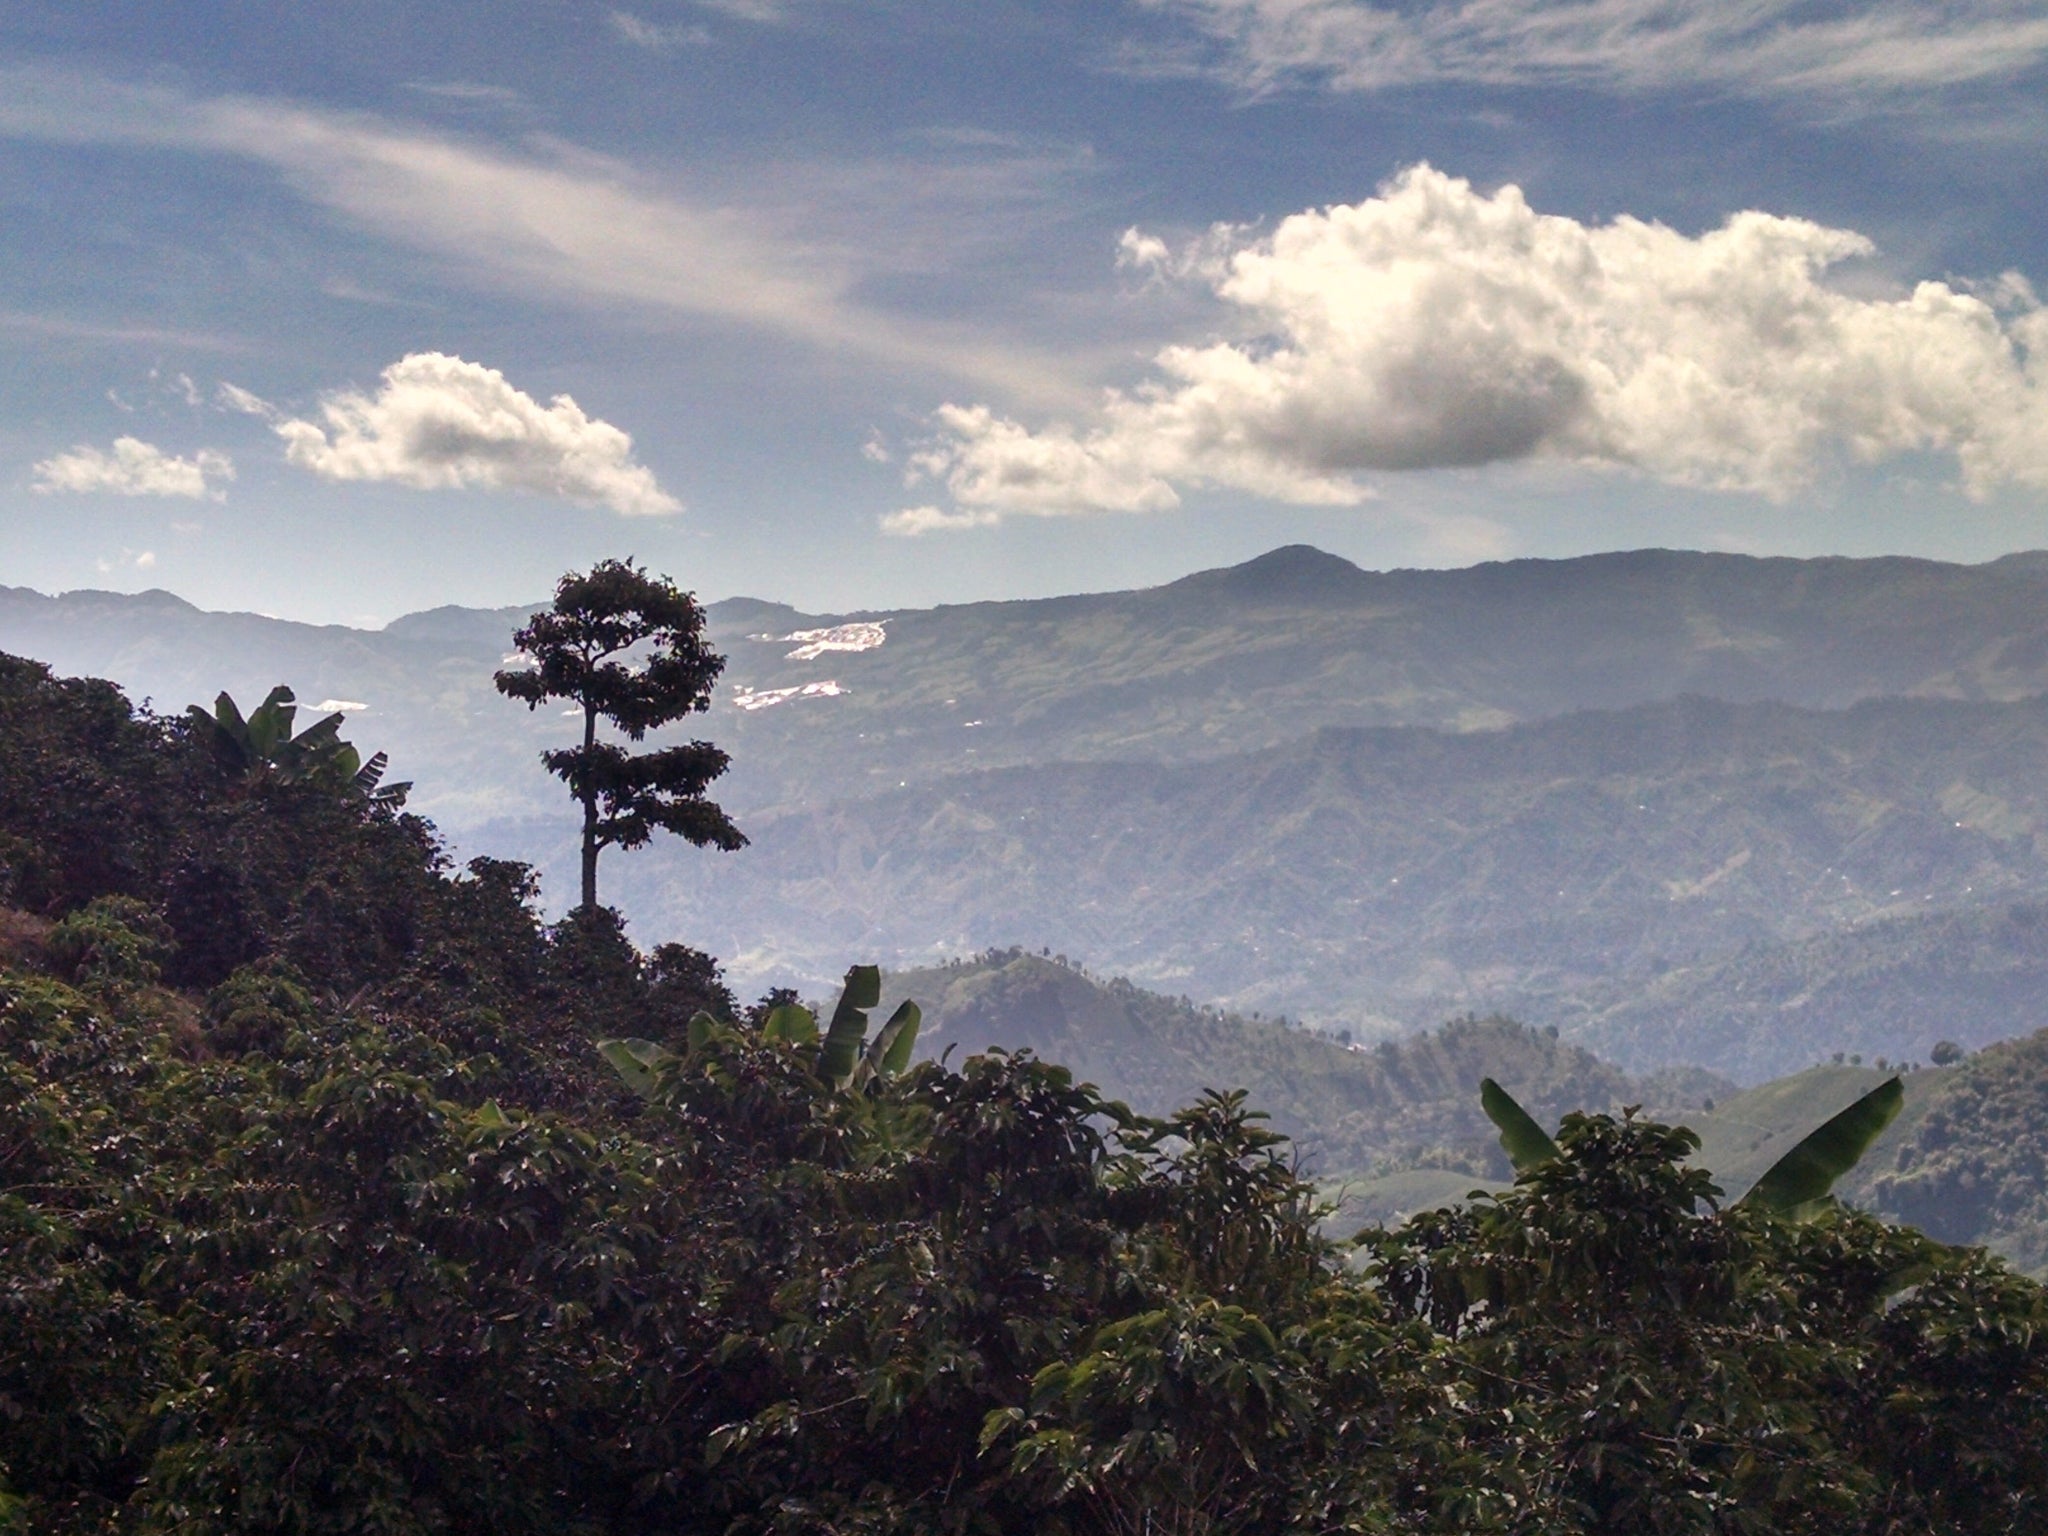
340 312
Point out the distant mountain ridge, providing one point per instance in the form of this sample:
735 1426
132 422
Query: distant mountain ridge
1294 784
1220 661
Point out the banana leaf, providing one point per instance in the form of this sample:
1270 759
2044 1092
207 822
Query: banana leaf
700 1031
792 1024
896 1058
889 1052
1524 1141
636 1061
841 1051
1797 1182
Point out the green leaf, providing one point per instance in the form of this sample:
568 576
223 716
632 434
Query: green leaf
636 1061
270 723
899 1038
1525 1142
841 1052
700 1031
1802 1177
792 1024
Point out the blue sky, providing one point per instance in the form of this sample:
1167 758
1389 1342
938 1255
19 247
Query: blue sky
339 312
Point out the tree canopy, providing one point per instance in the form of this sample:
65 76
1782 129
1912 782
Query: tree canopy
628 649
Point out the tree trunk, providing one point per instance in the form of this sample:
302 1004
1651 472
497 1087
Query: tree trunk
589 809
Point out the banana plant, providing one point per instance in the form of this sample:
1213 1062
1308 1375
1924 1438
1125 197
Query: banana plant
1796 1186
263 743
847 1061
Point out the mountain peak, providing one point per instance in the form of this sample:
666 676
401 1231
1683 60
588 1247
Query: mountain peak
1293 570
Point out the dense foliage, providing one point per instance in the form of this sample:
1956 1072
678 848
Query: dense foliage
1976 1162
321 1237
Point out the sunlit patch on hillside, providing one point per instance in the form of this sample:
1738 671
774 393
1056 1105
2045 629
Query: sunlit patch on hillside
762 698
813 643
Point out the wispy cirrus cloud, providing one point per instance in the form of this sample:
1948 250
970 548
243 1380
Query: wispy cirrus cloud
1435 326
1782 48
133 468
655 36
60 328
540 219
437 422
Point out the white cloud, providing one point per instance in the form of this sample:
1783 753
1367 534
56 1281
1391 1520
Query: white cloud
467 91
134 468
767 12
234 398
913 521
989 462
1434 326
439 422
1761 47
654 36
109 335
141 560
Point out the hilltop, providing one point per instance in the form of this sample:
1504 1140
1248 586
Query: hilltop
1350 1108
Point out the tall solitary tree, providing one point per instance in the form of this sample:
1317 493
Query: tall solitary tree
629 648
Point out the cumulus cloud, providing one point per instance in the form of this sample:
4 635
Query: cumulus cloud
1758 47
1435 326
134 468
439 422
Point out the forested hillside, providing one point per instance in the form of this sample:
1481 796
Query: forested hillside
323 1212
1400 1103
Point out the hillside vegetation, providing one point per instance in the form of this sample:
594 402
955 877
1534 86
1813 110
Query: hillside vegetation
1396 1128
1349 1111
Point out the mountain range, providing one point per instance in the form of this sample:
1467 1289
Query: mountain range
1682 807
